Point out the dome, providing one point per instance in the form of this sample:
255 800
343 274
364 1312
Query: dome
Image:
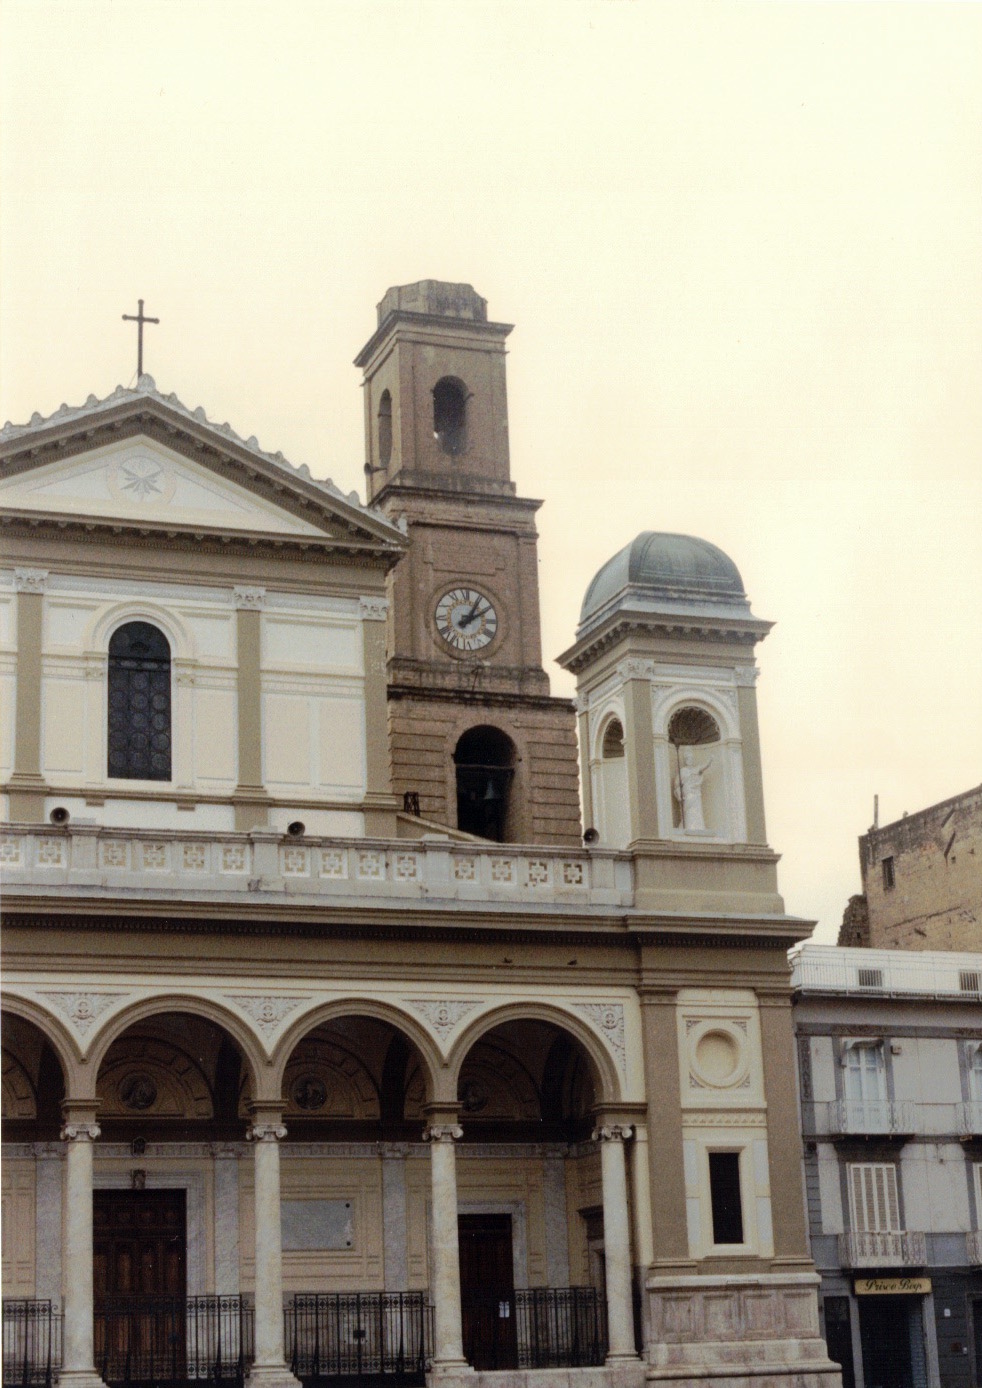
676 567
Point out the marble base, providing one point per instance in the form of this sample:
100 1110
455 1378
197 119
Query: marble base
753 1331
271 1376
80 1378
625 1373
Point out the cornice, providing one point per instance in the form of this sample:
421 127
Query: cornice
491 698
582 654
458 328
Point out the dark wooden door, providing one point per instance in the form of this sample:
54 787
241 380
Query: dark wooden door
487 1290
139 1272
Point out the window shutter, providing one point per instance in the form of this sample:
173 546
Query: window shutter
875 1199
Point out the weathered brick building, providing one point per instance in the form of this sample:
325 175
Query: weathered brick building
922 880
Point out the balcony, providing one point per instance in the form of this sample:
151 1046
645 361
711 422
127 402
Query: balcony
970 1119
882 1250
874 1118
973 1248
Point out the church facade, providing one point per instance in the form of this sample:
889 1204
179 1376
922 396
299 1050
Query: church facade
333 1047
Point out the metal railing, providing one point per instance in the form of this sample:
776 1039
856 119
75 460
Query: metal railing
143 1339
31 1342
536 1328
871 1116
882 1250
359 1335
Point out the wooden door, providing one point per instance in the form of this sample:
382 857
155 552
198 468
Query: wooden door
487 1290
139 1274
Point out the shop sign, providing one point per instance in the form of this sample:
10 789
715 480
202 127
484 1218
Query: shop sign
892 1286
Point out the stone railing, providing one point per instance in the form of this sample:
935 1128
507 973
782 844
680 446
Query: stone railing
90 860
973 1248
882 1250
848 1116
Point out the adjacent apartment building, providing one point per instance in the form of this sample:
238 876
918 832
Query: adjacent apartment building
890 1065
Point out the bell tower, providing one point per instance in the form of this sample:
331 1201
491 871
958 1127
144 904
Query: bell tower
474 732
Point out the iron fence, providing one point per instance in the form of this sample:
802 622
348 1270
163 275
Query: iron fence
31 1343
536 1328
172 1340
358 1335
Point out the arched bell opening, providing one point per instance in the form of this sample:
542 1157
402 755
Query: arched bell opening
450 415
613 806
485 761
33 1083
354 1079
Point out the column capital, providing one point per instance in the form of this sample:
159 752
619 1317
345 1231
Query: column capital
80 1132
442 1132
249 598
612 1132
373 609
265 1122
30 580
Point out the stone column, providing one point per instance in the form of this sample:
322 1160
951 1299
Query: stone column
617 1241
448 1349
269 1368
78 1348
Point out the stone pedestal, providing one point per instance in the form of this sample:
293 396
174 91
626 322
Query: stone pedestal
753 1331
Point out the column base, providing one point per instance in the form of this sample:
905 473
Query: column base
80 1378
271 1376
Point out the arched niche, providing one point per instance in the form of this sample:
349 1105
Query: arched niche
699 772
354 1076
485 759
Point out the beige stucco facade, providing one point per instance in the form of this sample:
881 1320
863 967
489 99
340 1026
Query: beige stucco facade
341 1039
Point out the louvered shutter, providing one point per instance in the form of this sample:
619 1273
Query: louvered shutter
874 1198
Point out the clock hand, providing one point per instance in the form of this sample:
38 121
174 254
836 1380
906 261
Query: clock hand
473 614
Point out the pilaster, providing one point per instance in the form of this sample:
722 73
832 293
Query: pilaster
27 785
250 796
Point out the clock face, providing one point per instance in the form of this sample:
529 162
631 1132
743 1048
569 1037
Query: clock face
466 619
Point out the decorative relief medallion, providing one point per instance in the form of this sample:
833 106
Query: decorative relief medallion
538 869
154 857
310 1093
371 865
82 1009
608 1017
573 875
194 857
266 1012
718 1053
334 862
10 854
406 867
295 862
138 1092
52 853
465 869
443 1015
114 853
503 870
141 480
234 857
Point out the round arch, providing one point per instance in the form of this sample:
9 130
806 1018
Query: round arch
710 701
433 1064
103 626
56 1034
606 1080
146 1008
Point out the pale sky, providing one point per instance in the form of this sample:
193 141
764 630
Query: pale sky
741 244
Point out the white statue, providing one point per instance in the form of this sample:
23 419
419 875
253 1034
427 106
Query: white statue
688 790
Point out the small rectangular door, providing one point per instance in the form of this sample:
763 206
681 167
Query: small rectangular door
487 1291
139 1243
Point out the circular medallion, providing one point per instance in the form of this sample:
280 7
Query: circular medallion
138 1092
310 1093
141 479
466 619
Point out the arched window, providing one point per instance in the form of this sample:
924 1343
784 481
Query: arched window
139 703
450 415
613 743
385 429
485 762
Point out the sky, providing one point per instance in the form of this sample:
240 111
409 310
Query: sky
741 244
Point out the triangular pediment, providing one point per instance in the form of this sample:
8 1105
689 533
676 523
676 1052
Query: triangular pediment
139 458
141 480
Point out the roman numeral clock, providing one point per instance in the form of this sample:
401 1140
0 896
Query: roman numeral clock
466 619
